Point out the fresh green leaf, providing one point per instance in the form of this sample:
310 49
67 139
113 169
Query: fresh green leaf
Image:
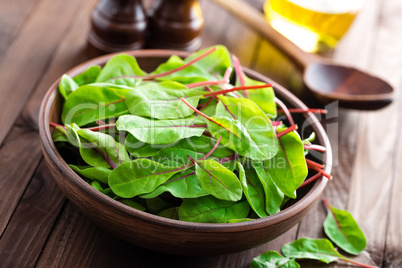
208 209
215 63
314 249
92 102
288 168
133 204
89 76
162 100
182 185
253 190
217 180
170 213
120 69
159 131
272 259
274 196
157 204
100 174
255 122
67 86
140 149
139 177
343 230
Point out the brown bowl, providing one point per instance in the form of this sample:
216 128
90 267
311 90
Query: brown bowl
162 234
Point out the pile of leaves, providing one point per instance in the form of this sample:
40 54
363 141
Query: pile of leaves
193 140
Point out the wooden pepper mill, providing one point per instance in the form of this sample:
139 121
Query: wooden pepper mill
118 25
175 24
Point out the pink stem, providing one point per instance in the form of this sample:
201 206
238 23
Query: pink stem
224 80
315 147
56 125
239 73
236 89
197 111
310 180
286 131
357 263
299 110
101 127
285 110
212 150
314 164
150 77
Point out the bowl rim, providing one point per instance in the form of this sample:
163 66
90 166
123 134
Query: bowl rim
303 203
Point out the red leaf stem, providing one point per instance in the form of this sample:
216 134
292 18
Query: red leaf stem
224 80
285 110
310 180
153 76
239 73
357 263
286 131
101 127
315 147
329 176
314 164
236 89
276 123
212 150
52 124
299 110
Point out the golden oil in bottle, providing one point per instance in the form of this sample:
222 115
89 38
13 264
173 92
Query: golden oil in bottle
314 25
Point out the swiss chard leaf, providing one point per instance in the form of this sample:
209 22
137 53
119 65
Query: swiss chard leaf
254 120
119 69
314 249
217 180
215 63
288 168
100 174
234 136
133 204
343 230
182 185
170 213
92 102
253 190
89 76
139 177
208 209
274 196
162 100
159 131
272 259
101 150
67 86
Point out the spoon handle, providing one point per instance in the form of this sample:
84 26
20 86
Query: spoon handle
256 20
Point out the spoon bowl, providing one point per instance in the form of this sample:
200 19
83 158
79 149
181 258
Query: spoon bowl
350 86
328 81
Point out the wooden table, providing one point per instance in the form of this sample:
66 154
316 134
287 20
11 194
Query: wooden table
41 39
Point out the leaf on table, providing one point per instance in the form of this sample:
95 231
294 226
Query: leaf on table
253 190
208 209
314 249
162 100
94 102
121 66
217 180
272 259
343 230
288 168
254 120
139 177
159 131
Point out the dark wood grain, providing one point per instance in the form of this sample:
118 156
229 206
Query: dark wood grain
36 212
21 62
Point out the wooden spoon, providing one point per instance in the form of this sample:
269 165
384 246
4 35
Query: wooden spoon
328 81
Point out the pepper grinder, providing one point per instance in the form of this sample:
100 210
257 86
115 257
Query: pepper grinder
118 25
175 24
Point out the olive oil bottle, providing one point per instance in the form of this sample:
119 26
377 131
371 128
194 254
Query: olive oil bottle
314 25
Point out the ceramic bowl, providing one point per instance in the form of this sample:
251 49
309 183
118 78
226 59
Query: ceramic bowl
162 234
